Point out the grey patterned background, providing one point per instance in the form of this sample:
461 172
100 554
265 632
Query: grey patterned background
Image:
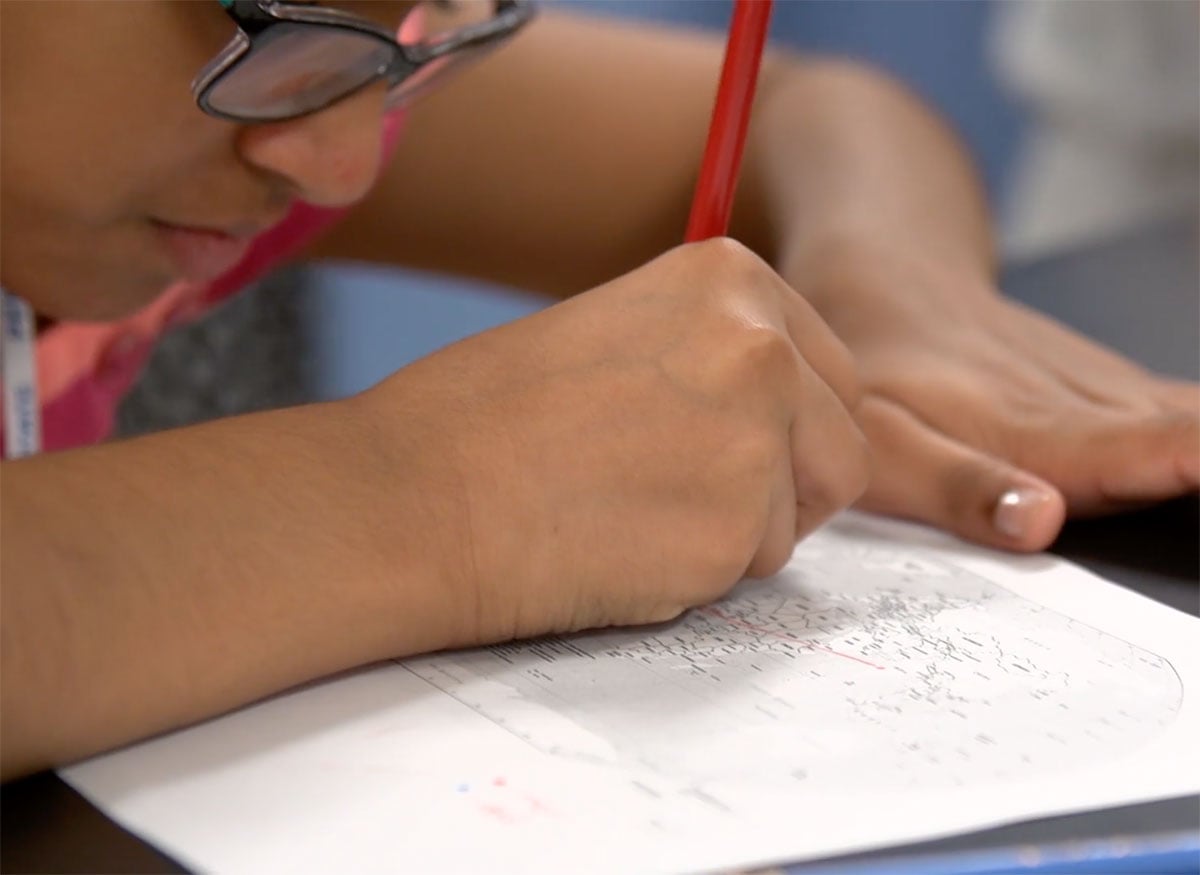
251 353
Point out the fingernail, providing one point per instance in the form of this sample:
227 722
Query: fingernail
1017 509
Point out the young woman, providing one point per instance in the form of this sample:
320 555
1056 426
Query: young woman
614 459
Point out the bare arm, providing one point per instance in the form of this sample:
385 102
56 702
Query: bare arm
152 582
571 156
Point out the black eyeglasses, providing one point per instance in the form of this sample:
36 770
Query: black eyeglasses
292 59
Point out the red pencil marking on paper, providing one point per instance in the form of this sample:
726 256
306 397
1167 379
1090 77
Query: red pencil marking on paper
537 806
501 814
762 630
498 782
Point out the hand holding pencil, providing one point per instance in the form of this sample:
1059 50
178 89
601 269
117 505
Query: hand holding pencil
707 409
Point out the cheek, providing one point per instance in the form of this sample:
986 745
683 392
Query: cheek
97 100
107 169
76 209
99 128
57 185
70 272
76 217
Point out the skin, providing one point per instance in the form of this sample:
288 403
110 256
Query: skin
866 205
697 410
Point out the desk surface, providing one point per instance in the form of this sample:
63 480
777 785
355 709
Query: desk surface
1139 294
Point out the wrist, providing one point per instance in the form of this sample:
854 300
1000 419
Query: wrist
855 266
407 507
417 496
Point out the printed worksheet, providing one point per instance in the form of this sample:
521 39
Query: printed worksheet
890 685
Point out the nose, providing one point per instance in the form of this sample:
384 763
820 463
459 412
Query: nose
330 158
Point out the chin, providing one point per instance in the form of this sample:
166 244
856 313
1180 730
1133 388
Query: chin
111 309
102 299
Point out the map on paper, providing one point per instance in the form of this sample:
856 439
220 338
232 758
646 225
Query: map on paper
911 664
879 689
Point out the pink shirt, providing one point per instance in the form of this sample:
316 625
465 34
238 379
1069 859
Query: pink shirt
84 369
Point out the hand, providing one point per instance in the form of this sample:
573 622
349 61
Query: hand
631 452
990 420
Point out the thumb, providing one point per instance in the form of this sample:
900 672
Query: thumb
921 474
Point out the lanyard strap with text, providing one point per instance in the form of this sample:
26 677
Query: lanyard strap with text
22 416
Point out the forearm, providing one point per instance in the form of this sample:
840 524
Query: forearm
564 160
572 156
841 160
153 582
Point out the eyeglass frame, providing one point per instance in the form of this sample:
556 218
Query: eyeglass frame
254 17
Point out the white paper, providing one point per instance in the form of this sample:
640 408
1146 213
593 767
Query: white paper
890 685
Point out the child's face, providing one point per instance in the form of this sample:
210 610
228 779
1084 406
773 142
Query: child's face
113 183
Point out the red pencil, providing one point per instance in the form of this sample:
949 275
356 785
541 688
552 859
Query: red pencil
713 200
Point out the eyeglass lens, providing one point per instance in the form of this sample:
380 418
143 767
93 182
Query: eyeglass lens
432 24
297 68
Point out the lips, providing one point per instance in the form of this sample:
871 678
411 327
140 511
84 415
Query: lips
200 254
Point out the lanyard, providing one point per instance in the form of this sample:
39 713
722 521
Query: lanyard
22 416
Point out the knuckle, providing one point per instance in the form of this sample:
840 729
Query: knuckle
771 558
843 372
727 547
726 253
841 481
761 351
857 476
746 363
744 539
727 266
753 457
743 515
